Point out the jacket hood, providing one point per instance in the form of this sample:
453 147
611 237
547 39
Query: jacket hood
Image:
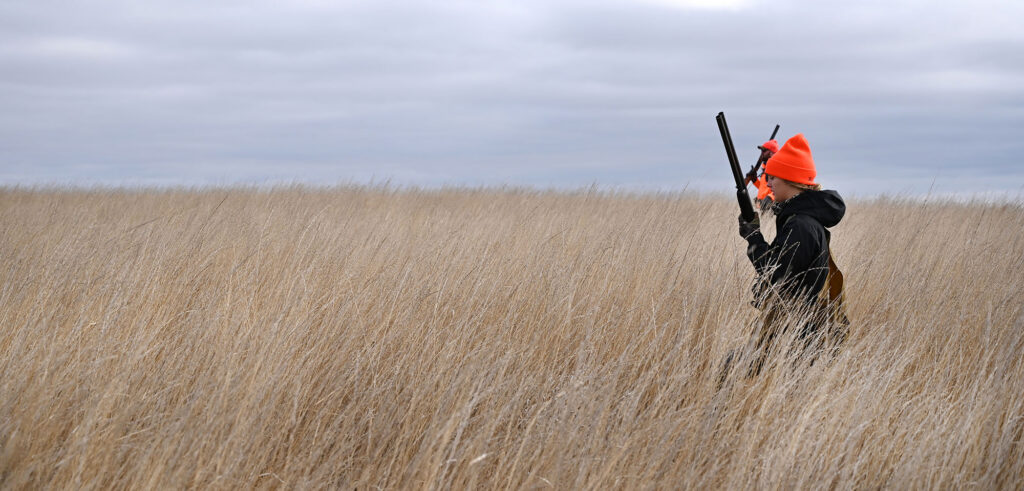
827 207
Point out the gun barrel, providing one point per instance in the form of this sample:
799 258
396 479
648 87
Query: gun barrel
746 209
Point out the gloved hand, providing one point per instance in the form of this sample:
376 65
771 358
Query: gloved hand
749 228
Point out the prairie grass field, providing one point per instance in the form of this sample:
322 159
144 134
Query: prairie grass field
374 337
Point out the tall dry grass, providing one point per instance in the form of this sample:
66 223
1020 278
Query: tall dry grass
371 337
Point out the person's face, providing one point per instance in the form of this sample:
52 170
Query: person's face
780 188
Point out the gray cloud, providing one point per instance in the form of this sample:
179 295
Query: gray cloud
539 93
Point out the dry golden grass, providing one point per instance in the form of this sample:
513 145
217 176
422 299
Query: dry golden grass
369 337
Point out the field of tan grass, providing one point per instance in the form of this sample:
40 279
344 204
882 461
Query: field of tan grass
373 337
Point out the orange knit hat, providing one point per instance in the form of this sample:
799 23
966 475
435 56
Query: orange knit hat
793 162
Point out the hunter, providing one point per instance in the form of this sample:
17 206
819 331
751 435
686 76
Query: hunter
798 282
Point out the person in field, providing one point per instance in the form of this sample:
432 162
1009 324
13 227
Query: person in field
765 197
798 284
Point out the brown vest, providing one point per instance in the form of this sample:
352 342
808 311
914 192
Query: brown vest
831 295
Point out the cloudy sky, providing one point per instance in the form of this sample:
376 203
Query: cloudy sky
901 96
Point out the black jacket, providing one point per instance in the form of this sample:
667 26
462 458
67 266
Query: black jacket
796 262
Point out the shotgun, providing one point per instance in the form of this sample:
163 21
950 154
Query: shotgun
746 208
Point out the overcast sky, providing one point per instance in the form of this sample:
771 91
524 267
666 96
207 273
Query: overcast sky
896 96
